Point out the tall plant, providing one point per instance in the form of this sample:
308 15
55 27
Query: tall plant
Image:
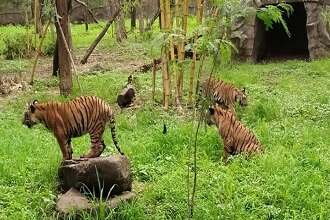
272 14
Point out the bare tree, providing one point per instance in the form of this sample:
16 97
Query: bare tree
121 33
63 39
141 16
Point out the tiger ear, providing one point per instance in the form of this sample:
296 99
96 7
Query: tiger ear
211 110
35 102
244 90
32 108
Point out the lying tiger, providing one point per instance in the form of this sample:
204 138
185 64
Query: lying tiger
223 93
86 114
236 137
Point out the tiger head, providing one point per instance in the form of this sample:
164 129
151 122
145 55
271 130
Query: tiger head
241 97
31 115
213 114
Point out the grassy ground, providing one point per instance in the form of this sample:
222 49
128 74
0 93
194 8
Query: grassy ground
289 111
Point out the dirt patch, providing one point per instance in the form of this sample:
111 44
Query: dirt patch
12 84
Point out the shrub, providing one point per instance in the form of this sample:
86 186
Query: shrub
18 45
48 46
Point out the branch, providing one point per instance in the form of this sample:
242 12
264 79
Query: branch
89 11
98 39
38 52
156 15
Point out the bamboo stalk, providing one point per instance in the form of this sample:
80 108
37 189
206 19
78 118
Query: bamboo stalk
199 12
192 75
185 15
166 89
166 73
38 52
162 15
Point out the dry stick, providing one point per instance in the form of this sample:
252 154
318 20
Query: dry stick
98 39
89 11
38 52
67 49
192 200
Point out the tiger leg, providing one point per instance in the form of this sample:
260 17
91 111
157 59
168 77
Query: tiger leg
63 142
225 156
97 143
69 147
227 150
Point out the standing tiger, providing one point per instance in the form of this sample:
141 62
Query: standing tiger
236 137
86 114
223 93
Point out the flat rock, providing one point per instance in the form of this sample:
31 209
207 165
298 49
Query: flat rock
124 197
72 200
109 175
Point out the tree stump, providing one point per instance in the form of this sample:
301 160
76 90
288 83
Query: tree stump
127 96
109 175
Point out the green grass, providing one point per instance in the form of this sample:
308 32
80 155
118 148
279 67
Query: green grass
289 111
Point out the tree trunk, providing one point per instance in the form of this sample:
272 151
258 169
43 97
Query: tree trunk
37 17
62 7
56 67
120 27
133 15
141 17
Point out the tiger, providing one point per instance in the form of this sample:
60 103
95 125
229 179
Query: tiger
85 114
236 137
222 93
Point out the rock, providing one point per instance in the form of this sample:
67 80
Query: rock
72 200
113 175
124 197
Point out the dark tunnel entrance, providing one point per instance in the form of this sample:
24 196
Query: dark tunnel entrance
275 44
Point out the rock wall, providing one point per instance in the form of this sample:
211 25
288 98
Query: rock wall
245 30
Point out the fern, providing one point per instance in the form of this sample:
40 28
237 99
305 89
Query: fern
272 14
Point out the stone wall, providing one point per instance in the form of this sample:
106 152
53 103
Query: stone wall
244 31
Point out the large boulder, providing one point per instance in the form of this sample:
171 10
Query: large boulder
109 175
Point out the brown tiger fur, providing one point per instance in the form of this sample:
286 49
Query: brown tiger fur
86 114
222 93
236 137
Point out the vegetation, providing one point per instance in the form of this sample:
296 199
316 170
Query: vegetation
289 111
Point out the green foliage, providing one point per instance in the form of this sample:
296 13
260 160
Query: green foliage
271 14
48 47
18 45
